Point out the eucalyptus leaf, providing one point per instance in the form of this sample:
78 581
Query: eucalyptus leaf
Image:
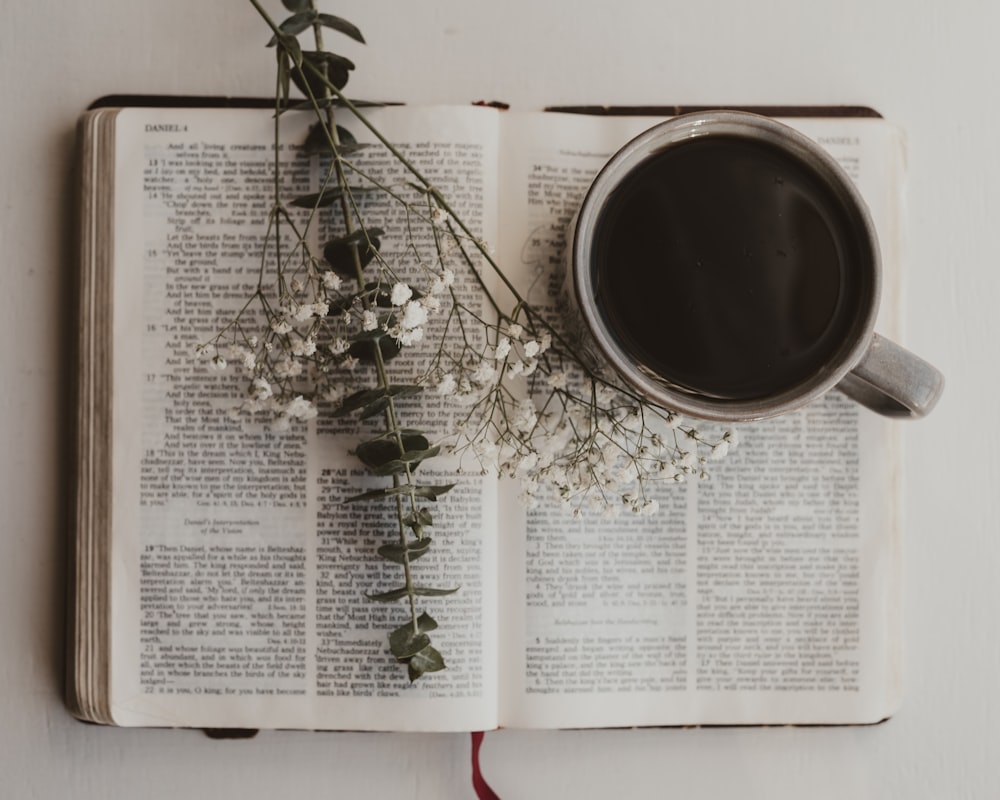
398 554
318 142
374 409
405 643
389 597
358 400
365 351
295 5
326 197
342 25
418 519
376 452
427 660
398 594
316 65
410 460
428 492
340 252
295 24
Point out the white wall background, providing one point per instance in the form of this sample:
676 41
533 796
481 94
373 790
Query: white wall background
931 67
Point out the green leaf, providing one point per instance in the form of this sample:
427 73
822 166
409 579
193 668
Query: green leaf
365 397
418 518
403 640
295 24
342 25
410 459
339 252
396 553
428 492
295 5
318 143
359 400
376 452
317 62
374 409
427 660
327 197
405 643
398 594
365 351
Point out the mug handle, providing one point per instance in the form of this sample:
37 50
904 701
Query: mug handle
893 381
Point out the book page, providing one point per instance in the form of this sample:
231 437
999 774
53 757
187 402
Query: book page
768 593
240 577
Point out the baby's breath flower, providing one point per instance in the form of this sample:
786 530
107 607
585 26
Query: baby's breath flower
400 294
281 326
300 408
557 380
260 389
719 450
414 314
446 385
502 348
218 362
369 320
331 280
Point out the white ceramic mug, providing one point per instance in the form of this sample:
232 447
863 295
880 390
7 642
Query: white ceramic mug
619 265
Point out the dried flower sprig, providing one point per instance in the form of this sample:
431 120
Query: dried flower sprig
322 329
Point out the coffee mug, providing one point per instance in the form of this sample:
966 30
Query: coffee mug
727 268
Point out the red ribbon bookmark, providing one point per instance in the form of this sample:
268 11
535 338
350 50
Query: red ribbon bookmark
483 790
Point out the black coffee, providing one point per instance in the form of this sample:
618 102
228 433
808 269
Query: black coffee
728 267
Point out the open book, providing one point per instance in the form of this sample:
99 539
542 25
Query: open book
219 582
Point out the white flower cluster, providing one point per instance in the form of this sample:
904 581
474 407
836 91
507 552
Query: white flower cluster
476 377
302 355
591 445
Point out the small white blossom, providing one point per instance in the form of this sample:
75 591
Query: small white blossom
218 362
350 363
525 417
260 389
369 320
297 285
719 450
557 380
331 280
339 346
300 408
414 315
515 368
515 331
446 385
400 294
281 326
410 336
502 349
439 216
484 373
531 348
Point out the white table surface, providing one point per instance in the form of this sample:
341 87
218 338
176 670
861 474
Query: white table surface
929 66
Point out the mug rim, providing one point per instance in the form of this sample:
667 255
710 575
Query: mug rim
659 389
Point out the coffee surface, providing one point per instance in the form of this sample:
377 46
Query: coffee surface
728 267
